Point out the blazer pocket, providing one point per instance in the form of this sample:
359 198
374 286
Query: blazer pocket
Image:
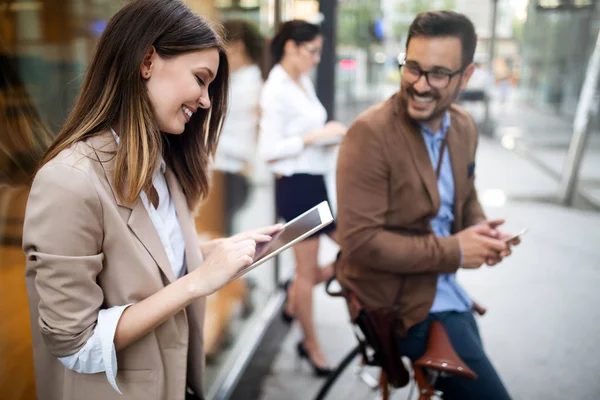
134 384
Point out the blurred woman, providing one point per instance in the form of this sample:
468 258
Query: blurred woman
116 277
237 145
295 139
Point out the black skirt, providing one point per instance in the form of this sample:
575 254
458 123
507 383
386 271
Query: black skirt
298 193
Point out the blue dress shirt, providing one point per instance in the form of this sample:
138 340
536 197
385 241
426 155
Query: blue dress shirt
449 295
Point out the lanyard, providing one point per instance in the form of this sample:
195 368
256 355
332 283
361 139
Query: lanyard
442 149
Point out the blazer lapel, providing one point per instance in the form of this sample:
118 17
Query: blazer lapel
418 151
143 228
139 220
184 216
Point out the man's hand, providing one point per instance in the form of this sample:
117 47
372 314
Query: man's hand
479 244
503 236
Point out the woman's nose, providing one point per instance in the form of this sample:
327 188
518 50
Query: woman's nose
204 101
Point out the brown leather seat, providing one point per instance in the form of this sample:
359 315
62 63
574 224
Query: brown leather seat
440 354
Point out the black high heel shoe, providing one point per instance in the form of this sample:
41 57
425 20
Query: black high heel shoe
320 372
287 318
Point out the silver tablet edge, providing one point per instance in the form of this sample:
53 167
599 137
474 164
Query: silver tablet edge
323 212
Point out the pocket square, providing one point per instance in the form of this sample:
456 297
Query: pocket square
471 169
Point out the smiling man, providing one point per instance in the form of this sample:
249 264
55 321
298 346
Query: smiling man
408 213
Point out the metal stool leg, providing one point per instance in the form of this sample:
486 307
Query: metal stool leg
337 372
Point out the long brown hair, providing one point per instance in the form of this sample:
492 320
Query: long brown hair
254 42
114 94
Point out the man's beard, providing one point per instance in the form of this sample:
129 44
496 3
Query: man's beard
440 109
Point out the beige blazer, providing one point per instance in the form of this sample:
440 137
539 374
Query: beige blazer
387 195
88 251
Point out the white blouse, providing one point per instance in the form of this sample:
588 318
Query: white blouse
290 112
237 144
98 354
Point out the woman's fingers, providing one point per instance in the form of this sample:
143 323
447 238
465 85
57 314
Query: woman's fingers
261 235
247 248
269 230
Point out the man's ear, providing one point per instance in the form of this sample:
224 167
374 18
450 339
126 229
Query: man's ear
466 75
148 63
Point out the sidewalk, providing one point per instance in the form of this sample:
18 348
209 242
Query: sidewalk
543 137
542 321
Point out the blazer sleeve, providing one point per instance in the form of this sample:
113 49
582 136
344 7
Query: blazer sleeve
363 202
62 239
472 211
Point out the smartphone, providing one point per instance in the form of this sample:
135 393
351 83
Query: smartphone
516 236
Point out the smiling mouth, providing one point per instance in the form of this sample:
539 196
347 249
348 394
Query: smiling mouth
422 99
188 113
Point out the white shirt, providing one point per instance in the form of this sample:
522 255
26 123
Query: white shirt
98 354
238 139
289 113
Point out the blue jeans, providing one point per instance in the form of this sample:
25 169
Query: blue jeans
464 336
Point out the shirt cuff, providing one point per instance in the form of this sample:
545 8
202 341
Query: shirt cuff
107 326
88 360
98 354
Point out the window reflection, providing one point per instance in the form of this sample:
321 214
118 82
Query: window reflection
44 50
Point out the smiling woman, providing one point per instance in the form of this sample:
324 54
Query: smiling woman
159 70
115 274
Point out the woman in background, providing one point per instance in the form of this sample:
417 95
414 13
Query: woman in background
295 140
245 52
236 150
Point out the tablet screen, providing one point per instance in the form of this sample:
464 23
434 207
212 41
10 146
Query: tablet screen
291 233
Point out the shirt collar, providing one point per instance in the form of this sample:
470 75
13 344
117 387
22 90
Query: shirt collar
162 165
443 130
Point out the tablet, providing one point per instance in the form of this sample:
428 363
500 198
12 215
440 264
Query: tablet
330 141
291 233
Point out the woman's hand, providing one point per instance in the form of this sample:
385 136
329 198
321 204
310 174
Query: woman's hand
335 129
225 258
332 131
206 247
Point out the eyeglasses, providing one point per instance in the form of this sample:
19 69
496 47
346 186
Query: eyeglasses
437 79
315 51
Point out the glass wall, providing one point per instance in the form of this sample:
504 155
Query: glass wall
236 310
366 65
45 47
552 69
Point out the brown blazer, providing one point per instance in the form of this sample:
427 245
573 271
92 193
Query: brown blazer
387 194
87 251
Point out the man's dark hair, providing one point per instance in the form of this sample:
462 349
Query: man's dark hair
446 23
